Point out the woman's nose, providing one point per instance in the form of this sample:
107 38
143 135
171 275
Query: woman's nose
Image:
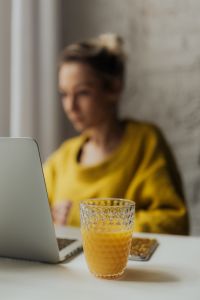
72 105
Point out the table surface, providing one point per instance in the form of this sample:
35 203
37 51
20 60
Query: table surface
173 272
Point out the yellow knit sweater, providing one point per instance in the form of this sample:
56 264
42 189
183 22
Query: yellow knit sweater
140 169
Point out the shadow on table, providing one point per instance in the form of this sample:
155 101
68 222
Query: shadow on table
148 275
16 271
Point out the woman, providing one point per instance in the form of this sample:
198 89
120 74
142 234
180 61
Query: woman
111 157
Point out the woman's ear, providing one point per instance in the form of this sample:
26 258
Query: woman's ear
115 90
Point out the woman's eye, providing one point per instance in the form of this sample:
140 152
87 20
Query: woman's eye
84 93
62 95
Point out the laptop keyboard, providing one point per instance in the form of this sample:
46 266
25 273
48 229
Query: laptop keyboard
62 243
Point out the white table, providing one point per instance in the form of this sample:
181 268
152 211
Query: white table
172 273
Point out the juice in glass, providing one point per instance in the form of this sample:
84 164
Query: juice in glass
107 233
106 252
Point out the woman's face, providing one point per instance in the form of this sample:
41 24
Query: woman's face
86 103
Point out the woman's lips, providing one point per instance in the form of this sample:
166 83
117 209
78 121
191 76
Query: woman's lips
76 119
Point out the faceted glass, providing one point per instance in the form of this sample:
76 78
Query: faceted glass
106 228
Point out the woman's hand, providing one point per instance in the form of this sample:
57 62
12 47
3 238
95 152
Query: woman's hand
60 212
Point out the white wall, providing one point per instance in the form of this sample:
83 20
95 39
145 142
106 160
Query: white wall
163 82
5 15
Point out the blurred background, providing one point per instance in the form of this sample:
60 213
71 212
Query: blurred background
162 40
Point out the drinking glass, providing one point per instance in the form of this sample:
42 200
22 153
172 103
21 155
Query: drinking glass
106 228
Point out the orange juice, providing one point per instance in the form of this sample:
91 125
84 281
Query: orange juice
106 253
106 227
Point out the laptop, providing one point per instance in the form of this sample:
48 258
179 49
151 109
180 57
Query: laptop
26 227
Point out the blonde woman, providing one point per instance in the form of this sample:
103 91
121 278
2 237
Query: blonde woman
111 157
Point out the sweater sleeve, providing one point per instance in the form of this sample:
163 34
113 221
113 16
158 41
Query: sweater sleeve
160 206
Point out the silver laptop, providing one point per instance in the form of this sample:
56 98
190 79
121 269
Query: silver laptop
26 227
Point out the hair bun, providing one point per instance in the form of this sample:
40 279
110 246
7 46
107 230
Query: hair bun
111 42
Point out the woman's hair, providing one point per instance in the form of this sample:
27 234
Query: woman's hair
104 54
